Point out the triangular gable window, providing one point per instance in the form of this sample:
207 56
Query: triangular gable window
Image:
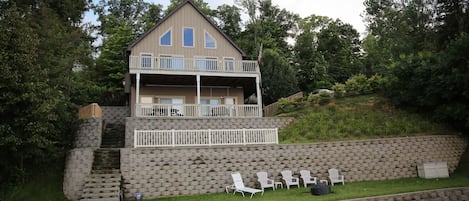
165 39
210 42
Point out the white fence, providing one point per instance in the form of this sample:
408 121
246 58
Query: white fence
151 63
174 138
194 110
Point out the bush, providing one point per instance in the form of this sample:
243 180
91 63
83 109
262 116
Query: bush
285 105
322 98
359 85
339 90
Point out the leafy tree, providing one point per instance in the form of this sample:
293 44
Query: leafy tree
40 43
229 20
278 77
122 21
203 6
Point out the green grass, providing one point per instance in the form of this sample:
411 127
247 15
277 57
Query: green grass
351 118
41 187
460 178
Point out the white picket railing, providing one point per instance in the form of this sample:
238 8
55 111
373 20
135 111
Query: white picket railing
194 110
149 63
209 137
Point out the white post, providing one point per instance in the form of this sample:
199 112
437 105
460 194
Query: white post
244 136
209 137
259 95
198 96
198 89
135 138
172 136
276 135
137 94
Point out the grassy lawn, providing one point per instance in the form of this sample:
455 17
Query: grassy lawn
353 118
460 178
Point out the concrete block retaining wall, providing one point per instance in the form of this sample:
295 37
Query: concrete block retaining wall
115 114
77 168
451 194
89 133
157 172
133 123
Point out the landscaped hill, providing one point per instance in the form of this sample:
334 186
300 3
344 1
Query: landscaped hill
358 117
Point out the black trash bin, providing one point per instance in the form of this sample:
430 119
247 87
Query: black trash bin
320 189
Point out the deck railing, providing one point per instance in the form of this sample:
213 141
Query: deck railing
174 138
195 110
149 64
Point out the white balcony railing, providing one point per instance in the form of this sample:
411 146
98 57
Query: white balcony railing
149 63
173 138
194 110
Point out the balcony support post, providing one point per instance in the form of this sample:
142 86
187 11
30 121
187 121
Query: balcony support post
198 96
137 94
259 95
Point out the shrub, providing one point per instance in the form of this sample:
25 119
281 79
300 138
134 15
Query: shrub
357 84
339 90
313 98
286 105
324 98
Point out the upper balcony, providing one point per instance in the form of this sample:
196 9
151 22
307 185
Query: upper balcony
184 66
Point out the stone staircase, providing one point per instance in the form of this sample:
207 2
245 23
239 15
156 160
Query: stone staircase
104 182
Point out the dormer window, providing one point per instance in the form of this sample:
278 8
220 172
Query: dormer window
165 39
188 37
210 42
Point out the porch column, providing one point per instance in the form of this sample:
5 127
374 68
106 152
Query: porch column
137 94
198 89
259 95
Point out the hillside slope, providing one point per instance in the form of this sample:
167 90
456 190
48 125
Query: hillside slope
359 117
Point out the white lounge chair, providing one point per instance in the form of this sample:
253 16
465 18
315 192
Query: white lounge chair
239 185
334 176
287 176
265 182
307 179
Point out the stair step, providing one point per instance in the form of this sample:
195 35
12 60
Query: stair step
99 190
104 176
102 185
111 171
100 195
101 199
103 180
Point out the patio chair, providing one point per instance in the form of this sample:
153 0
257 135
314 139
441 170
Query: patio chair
265 181
334 176
307 179
239 185
287 176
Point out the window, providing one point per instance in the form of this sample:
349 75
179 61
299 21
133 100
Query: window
165 39
206 63
171 62
210 41
145 61
229 64
172 106
208 105
188 36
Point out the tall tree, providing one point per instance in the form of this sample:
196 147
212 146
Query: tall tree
40 43
229 20
122 21
278 77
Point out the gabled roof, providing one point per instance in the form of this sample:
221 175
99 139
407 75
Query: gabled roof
190 2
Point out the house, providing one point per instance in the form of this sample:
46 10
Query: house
186 67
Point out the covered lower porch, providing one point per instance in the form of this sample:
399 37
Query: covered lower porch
194 96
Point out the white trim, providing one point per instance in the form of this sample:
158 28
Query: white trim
205 41
234 63
151 59
206 58
193 37
170 38
171 56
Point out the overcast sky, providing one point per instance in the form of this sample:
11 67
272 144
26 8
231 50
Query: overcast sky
348 11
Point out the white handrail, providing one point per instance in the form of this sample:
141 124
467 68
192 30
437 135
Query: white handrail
208 137
195 110
148 63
